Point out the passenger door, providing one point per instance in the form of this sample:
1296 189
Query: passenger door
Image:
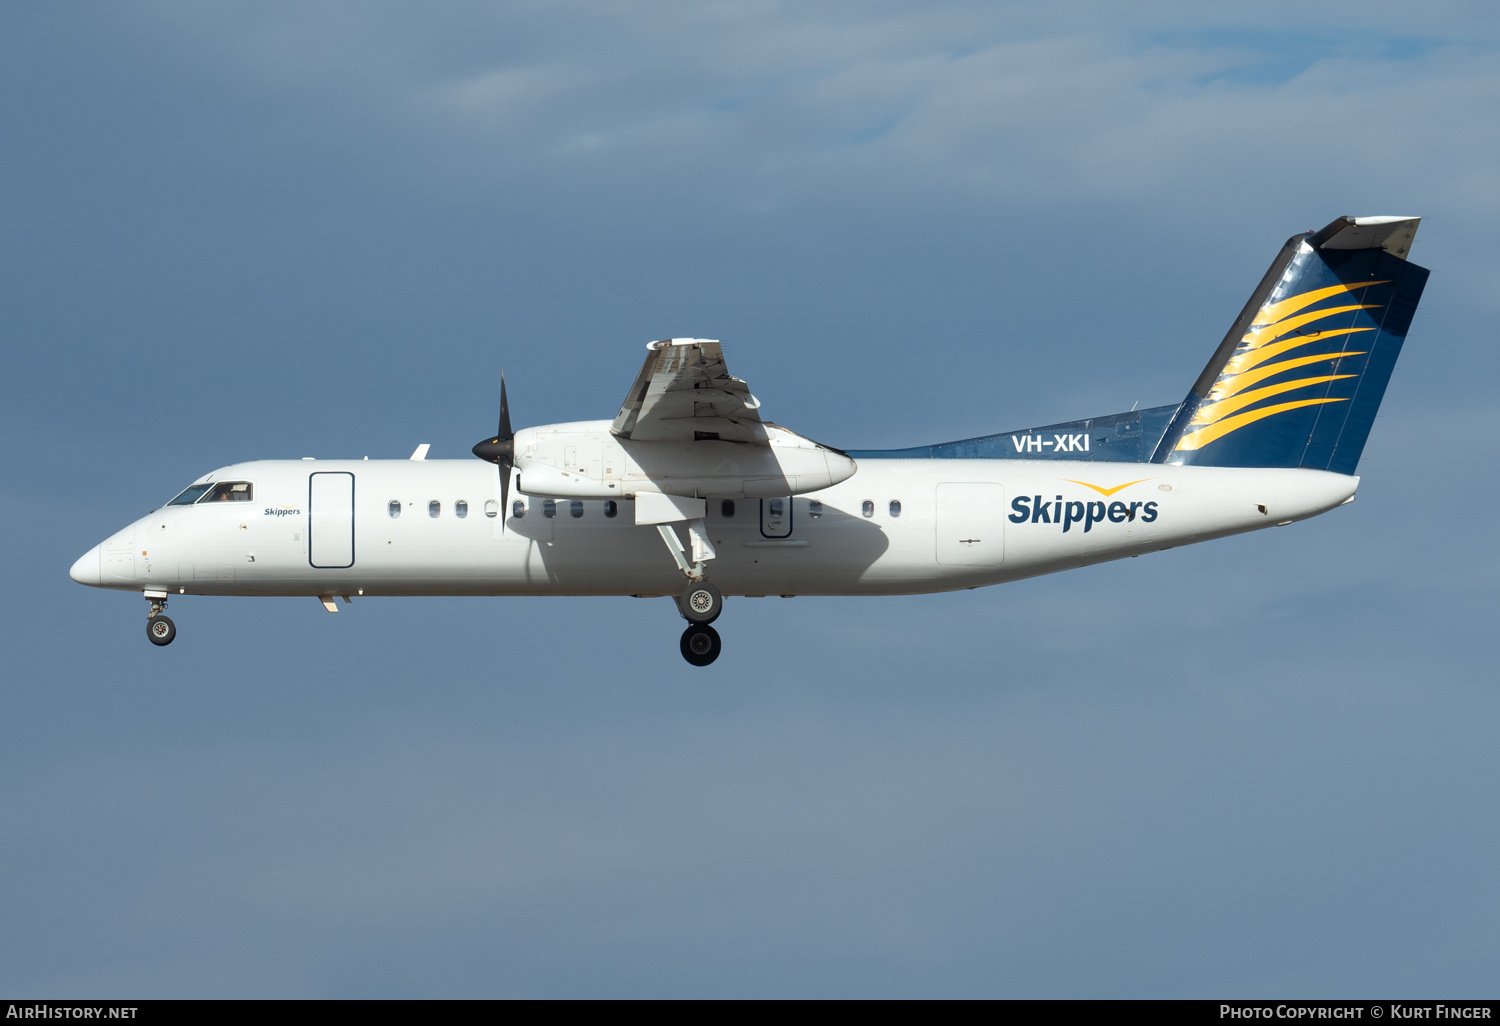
330 520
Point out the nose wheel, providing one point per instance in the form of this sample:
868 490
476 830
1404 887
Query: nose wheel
161 630
700 644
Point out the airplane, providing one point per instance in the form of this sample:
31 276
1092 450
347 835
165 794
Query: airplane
690 493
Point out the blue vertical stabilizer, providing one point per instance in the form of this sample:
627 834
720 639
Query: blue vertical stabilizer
1299 377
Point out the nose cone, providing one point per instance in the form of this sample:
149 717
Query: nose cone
87 569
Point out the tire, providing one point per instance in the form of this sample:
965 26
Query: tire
701 644
701 603
160 630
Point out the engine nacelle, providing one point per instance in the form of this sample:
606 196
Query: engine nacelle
585 461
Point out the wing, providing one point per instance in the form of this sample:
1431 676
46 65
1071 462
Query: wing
684 393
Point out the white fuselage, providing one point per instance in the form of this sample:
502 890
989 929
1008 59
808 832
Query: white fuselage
961 524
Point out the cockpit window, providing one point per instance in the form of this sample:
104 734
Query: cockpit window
191 495
229 491
224 491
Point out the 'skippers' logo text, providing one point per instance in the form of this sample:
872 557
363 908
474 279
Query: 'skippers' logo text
1031 509
283 511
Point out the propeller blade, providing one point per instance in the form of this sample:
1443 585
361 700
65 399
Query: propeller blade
505 468
501 451
504 430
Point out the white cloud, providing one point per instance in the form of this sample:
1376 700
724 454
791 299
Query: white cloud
1161 108
968 98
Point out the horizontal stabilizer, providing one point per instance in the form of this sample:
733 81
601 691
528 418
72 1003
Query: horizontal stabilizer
1392 234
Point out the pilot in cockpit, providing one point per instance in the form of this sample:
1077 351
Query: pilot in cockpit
231 491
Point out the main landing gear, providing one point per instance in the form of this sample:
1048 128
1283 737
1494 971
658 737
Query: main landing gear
159 627
700 606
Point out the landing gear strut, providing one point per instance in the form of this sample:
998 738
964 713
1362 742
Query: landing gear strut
159 627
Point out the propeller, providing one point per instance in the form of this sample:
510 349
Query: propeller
501 451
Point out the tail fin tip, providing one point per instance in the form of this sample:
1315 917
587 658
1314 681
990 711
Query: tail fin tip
1392 234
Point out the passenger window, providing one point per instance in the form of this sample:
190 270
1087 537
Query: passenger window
868 509
229 491
190 495
549 508
461 508
611 507
491 507
814 508
895 508
434 508
575 508
726 508
393 508
778 507
518 509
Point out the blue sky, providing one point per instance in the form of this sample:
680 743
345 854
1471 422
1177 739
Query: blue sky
1260 766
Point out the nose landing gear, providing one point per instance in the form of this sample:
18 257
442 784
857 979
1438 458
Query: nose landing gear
159 627
161 630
